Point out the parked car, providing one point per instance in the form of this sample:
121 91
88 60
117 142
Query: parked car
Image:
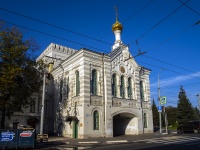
190 126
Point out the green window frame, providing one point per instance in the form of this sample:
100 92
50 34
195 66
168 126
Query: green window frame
114 85
94 82
122 91
145 120
77 83
141 90
96 120
130 93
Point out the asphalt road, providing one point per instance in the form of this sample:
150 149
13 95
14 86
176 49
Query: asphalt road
171 142
182 142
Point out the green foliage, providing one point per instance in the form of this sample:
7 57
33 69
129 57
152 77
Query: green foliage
171 115
155 114
184 108
19 77
196 113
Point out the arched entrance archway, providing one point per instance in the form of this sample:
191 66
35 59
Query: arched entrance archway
125 124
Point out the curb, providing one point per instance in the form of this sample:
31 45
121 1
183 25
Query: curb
120 141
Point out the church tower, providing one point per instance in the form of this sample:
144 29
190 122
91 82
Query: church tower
117 30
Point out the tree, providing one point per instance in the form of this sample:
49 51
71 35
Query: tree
155 114
196 113
184 108
19 77
171 115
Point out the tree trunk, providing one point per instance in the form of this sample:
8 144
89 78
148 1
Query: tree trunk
3 115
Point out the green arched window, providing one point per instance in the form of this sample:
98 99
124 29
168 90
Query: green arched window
114 85
141 90
96 120
94 82
145 120
77 84
122 91
130 94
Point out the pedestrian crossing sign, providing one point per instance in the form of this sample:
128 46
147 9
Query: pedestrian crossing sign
163 100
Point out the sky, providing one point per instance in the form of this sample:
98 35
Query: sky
167 31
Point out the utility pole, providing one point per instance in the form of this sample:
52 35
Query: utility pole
50 65
42 109
160 121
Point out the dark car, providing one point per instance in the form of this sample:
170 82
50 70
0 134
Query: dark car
190 126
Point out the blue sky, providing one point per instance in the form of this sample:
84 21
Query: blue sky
164 29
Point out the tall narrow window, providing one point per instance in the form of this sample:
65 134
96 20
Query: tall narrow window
96 120
145 120
122 91
141 90
32 105
130 94
77 84
94 82
67 88
61 89
114 85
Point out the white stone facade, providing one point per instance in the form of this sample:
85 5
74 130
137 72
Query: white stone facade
91 94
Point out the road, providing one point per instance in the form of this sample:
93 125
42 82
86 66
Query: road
173 142
183 142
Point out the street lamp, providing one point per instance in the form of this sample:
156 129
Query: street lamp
50 65
198 100
160 122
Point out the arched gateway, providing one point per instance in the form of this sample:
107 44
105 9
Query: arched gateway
124 123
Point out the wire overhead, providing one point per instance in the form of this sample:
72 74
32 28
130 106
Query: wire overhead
159 23
55 26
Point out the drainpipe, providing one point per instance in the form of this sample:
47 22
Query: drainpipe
90 84
104 104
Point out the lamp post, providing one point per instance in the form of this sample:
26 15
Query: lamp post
160 122
50 65
198 100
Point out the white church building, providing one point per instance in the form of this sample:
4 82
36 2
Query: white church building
91 94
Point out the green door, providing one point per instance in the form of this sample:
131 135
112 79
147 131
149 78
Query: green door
75 129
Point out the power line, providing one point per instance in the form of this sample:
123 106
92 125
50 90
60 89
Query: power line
190 8
55 26
85 35
138 11
158 23
57 36
175 35
169 70
52 35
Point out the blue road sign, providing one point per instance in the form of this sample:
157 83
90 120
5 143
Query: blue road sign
7 136
159 108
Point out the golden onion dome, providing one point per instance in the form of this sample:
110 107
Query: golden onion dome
117 26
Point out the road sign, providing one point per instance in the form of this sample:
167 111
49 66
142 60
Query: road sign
7 136
159 108
163 100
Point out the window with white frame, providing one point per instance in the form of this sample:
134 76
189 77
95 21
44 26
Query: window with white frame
114 85
77 83
141 90
122 87
32 105
145 120
130 92
96 120
94 82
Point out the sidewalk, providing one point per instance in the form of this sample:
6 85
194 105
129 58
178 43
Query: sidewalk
54 140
